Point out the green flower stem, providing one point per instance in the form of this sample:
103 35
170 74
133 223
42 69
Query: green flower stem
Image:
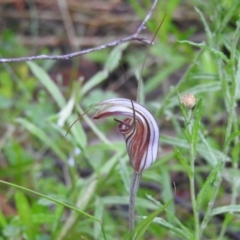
192 191
191 177
134 185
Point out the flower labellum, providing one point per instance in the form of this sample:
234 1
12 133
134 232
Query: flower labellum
139 129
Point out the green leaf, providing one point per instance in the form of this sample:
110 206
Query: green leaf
143 226
154 82
237 77
211 154
197 122
56 201
61 102
225 209
187 134
183 110
39 133
202 149
182 159
99 213
178 231
42 218
174 218
231 138
25 215
200 88
124 173
65 112
110 64
119 200
207 184
94 81
115 56
167 190
205 47
3 220
206 27
48 83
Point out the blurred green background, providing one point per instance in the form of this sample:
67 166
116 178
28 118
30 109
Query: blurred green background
89 168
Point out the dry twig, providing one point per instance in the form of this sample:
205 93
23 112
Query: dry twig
133 37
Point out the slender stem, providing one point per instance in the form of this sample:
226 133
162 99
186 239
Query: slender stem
191 179
133 37
134 185
192 191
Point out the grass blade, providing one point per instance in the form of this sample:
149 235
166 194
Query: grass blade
178 231
47 82
196 125
182 159
143 226
24 212
95 80
207 184
39 133
56 201
225 209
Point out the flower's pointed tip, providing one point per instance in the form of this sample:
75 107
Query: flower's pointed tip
95 117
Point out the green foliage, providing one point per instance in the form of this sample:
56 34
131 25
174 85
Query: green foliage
75 186
140 230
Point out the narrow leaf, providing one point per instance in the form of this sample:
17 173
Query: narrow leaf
202 45
187 134
115 57
39 133
52 199
162 75
143 226
225 209
3 220
183 110
24 212
207 184
167 191
200 88
178 231
237 77
231 138
197 123
47 82
202 149
65 112
94 81
182 159
174 219
99 212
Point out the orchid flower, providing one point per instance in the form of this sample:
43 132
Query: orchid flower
141 135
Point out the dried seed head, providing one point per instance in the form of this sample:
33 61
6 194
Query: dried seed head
188 101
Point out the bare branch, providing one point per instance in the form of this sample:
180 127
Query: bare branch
133 37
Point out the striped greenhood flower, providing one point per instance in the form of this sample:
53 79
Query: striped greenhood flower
139 130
